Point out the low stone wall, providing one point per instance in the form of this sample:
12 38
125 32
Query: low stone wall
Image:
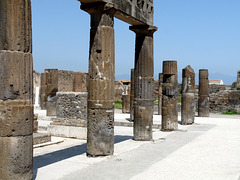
224 101
71 109
72 105
71 119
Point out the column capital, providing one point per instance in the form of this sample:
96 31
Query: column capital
98 7
143 29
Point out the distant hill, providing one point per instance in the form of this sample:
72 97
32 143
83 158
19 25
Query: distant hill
227 79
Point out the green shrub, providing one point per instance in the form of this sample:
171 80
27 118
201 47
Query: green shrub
229 112
118 105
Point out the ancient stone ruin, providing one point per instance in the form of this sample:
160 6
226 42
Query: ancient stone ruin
132 96
170 96
101 70
203 99
238 79
54 81
16 79
125 103
16 95
188 96
160 94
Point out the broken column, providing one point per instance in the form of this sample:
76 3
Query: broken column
170 96
188 96
100 134
203 99
16 100
132 96
160 93
143 82
238 80
125 103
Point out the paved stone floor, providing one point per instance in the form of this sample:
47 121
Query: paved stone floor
209 150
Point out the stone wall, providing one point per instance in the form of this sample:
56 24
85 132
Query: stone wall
54 80
71 109
224 101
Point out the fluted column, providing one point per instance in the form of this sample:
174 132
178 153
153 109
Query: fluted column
203 99
16 82
143 82
100 134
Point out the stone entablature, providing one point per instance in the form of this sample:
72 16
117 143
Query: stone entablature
134 12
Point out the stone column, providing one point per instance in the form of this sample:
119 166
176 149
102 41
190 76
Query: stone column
188 96
43 91
125 103
203 99
100 134
143 82
170 96
160 94
16 82
132 96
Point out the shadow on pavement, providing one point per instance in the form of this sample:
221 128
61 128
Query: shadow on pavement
50 158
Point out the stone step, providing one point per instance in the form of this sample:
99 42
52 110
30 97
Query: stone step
39 138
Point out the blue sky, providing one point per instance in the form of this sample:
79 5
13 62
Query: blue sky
200 33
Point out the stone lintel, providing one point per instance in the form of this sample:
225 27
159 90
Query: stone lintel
98 7
132 12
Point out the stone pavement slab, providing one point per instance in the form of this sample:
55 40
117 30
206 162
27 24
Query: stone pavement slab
209 149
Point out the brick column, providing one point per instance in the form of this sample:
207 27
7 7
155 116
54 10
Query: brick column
143 82
160 94
16 82
132 96
203 99
100 135
188 96
170 96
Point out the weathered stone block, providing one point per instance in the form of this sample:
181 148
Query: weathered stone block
125 103
143 128
188 96
169 113
187 108
51 106
16 27
203 99
100 141
16 157
16 75
72 105
65 81
170 96
16 118
51 82
80 82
